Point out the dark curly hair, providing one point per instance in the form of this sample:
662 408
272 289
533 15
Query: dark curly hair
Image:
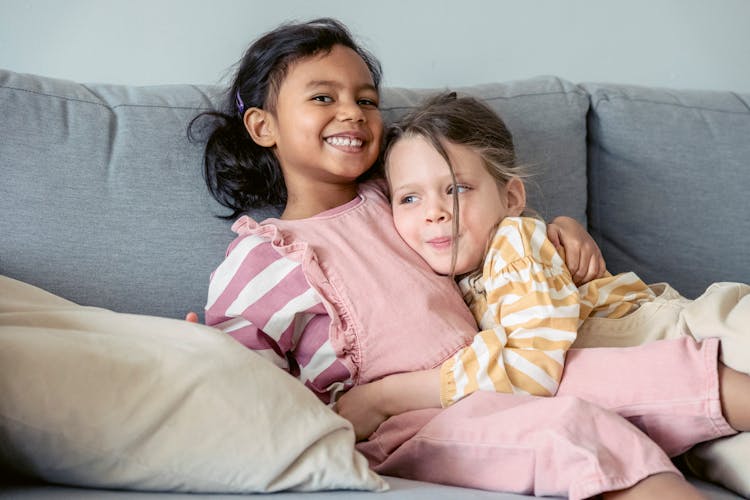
239 173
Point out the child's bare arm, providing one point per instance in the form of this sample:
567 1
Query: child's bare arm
366 406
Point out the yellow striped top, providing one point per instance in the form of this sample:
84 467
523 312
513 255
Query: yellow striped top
528 310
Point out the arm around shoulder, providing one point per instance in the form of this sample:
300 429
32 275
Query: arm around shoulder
581 253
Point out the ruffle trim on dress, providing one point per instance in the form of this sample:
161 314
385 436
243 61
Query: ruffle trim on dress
342 338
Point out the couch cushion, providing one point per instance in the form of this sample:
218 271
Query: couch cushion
104 203
102 196
668 173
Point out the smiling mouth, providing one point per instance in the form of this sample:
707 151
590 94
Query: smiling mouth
440 243
344 142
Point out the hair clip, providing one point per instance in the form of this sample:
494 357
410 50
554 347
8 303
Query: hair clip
240 104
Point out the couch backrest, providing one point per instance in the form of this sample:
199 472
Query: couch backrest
103 201
102 197
669 182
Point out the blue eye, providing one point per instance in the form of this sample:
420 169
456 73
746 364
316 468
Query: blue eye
460 188
408 199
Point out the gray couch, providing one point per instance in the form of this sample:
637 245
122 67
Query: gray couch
103 201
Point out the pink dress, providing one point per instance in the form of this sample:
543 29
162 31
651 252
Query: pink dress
339 299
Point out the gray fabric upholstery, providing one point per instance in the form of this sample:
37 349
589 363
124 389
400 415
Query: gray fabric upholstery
103 200
669 173
102 195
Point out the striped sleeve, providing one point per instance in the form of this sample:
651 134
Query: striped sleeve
613 296
528 320
263 299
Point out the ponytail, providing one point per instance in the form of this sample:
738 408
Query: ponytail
239 173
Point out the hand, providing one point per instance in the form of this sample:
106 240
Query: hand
191 317
360 406
582 255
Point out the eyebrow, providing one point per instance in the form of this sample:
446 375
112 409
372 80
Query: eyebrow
403 187
335 84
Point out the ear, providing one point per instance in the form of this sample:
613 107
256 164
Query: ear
259 124
515 196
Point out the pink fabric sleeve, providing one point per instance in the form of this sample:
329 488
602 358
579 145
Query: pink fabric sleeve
262 298
264 295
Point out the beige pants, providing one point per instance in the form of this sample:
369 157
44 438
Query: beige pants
722 311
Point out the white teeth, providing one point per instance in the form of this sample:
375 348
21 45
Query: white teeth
344 141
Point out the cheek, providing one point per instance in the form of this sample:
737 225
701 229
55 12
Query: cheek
469 260
475 239
404 226
375 121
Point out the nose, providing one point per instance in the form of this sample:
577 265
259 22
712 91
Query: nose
436 212
350 111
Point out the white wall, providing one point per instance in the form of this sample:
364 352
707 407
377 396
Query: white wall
703 44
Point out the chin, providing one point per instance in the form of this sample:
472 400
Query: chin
442 271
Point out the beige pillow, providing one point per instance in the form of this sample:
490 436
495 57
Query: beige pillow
90 397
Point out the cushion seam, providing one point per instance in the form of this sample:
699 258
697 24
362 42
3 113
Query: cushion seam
101 104
579 92
599 99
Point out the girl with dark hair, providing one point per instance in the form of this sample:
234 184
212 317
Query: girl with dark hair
243 174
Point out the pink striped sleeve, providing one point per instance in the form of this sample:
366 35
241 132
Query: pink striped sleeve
263 300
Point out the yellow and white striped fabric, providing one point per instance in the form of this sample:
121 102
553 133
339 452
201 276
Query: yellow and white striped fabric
528 310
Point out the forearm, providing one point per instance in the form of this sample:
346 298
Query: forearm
404 392
368 405
528 369
530 308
